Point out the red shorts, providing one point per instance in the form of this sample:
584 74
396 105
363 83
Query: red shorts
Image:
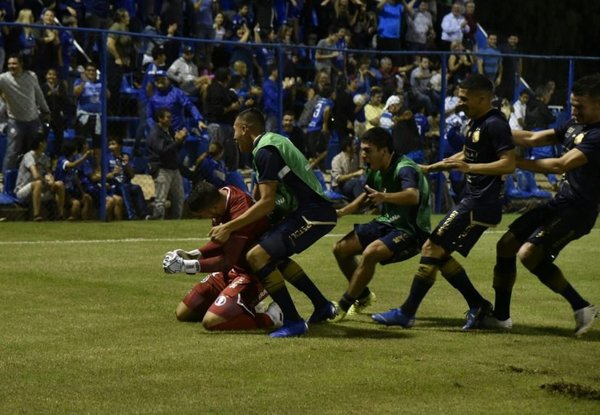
217 290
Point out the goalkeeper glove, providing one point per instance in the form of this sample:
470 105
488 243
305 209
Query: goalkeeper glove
193 254
173 263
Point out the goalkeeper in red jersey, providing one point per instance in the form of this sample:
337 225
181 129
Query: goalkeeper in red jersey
227 297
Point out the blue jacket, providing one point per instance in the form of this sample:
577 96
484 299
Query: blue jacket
177 102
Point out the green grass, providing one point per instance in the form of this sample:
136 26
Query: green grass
87 326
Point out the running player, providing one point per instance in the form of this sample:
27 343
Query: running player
538 236
488 153
398 186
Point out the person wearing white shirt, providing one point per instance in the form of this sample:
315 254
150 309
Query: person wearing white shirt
454 25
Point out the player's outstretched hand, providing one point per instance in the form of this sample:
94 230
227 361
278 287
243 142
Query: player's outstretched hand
193 254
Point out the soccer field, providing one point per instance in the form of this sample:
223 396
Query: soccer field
88 326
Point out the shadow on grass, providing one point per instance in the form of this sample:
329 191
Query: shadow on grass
455 324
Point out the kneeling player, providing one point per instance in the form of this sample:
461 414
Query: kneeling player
226 299
397 185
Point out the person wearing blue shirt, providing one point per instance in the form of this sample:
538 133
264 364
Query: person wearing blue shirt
319 128
389 27
491 65
175 100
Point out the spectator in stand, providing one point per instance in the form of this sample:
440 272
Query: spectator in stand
35 182
89 176
242 16
184 72
454 26
175 100
3 32
348 177
390 15
57 98
120 50
538 115
202 23
469 37
490 66
391 112
460 66
71 9
25 101
519 111
374 108
209 167
154 28
325 59
25 36
419 31
241 52
272 87
67 171
67 48
344 13
345 109
423 95
47 45
221 106
293 132
511 68
219 55
120 174
164 147
87 90
319 128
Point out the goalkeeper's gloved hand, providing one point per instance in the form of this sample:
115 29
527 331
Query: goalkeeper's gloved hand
173 263
193 254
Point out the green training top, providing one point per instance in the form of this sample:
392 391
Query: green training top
294 162
414 220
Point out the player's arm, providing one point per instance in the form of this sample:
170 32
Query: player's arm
229 255
443 164
353 206
264 206
504 165
540 138
570 160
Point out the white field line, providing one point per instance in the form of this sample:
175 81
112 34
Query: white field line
136 240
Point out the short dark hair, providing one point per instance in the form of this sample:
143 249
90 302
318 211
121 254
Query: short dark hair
161 112
588 85
253 117
379 137
477 82
202 196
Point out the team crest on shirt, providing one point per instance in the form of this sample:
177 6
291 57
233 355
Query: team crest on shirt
220 300
475 136
579 138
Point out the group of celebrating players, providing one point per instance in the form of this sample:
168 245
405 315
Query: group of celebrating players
249 255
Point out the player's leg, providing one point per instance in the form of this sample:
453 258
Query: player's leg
235 307
197 301
272 279
346 251
542 248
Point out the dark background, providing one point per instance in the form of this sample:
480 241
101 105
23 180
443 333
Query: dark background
547 27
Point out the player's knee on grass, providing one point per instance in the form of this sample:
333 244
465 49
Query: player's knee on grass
184 313
223 310
211 321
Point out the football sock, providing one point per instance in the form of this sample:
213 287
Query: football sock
346 302
365 293
505 274
422 282
550 275
456 275
293 273
273 282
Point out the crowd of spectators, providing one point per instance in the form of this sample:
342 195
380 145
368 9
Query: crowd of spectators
326 91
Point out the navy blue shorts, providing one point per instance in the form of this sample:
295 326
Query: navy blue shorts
553 227
462 226
298 230
402 244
